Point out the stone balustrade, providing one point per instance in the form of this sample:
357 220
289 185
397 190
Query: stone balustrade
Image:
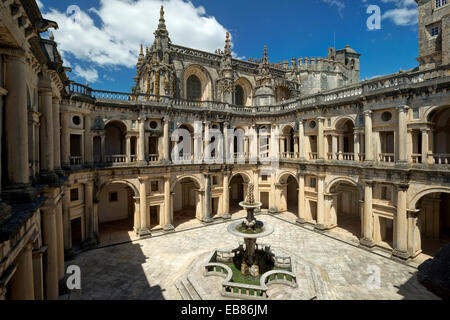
441 158
352 92
387 157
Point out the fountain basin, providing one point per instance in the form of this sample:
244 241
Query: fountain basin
247 205
232 228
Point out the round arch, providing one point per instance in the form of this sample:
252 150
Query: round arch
339 121
205 79
350 181
416 198
248 90
118 123
107 183
178 179
187 125
431 112
117 208
244 176
286 175
287 126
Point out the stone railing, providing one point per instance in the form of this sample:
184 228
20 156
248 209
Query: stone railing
346 156
116 158
102 95
246 291
441 158
75 160
289 155
387 157
216 267
153 157
416 158
351 92
279 277
313 156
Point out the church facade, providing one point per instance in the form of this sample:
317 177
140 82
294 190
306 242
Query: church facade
369 157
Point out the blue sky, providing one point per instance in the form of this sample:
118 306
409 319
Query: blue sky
100 42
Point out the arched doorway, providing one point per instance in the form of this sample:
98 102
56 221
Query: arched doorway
116 213
187 204
345 140
441 140
434 221
238 188
289 194
115 132
345 210
184 150
288 142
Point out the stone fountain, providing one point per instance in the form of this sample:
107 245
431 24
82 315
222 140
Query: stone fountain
250 269
251 230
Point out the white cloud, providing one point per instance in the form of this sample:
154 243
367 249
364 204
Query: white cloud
404 15
125 24
89 74
40 5
338 4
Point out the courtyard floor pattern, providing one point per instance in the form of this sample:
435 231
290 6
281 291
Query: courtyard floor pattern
148 269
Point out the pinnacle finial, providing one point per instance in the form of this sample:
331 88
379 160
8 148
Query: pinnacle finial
161 13
52 36
227 44
142 49
265 53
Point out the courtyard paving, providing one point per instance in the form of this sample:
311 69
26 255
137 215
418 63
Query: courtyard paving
148 269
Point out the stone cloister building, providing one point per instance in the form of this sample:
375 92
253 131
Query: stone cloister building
371 157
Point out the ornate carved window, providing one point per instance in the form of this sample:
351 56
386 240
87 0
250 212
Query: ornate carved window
194 88
239 96
282 93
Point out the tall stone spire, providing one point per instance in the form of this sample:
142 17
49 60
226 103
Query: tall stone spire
162 30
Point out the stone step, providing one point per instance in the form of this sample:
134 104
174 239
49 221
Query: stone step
191 289
187 290
182 290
